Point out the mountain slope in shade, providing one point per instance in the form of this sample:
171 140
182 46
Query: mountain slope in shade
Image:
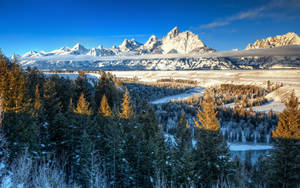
277 41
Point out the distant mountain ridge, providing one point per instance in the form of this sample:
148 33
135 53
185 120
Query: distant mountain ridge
287 39
174 42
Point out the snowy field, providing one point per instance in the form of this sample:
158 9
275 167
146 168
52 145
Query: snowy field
206 78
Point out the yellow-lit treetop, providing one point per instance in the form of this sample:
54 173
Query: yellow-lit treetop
83 107
207 117
289 120
127 110
104 108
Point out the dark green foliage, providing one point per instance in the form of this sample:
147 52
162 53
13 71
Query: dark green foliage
212 158
82 85
107 86
260 172
284 164
52 104
183 154
21 132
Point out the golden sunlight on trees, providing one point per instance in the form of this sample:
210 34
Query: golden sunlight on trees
83 107
207 116
37 101
289 121
104 108
127 110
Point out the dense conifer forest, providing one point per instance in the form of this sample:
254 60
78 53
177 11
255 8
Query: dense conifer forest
57 132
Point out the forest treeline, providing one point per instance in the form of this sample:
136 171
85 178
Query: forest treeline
57 132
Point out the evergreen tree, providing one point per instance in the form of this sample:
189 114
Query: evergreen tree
183 158
37 102
239 178
289 121
84 159
51 102
117 166
208 117
83 107
13 91
22 133
141 139
82 85
127 110
211 154
260 171
107 86
4 86
33 78
285 157
104 108
70 106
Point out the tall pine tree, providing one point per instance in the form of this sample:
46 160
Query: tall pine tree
37 101
104 108
83 107
289 121
208 117
212 157
127 110
285 158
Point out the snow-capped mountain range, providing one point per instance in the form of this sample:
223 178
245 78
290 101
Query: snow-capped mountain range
174 42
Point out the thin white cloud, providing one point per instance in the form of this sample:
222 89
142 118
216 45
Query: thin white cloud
250 14
259 12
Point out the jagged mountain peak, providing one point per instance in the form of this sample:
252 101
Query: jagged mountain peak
78 46
287 39
173 33
128 45
184 42
151 39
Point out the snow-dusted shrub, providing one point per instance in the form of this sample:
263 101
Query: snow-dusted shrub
48 175
21 171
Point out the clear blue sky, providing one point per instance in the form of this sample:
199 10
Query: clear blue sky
47 25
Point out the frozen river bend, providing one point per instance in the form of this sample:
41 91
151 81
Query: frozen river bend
189 93
255 150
